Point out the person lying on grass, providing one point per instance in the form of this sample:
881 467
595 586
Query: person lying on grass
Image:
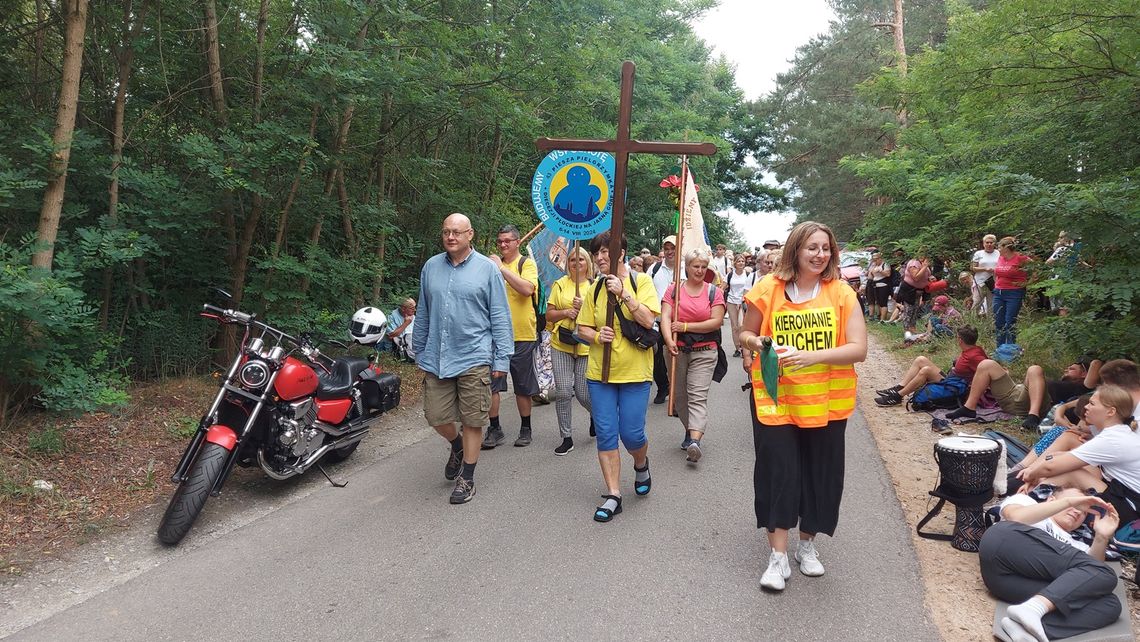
1058 585
1027 399
923 371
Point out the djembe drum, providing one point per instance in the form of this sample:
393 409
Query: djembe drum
966 470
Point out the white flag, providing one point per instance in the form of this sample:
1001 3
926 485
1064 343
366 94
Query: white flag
692 221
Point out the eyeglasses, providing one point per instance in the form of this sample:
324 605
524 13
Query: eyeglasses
455 233
507 241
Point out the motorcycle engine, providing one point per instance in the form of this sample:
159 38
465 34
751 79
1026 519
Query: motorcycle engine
297 434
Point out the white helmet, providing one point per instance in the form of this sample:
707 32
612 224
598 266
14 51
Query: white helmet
368 326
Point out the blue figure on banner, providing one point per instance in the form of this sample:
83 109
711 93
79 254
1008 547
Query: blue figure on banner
578 200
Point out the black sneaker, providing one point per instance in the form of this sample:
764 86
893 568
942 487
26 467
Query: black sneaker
889 399
464 491
1031 422
524 438
566 446
661 397
454 463
887 391
494 437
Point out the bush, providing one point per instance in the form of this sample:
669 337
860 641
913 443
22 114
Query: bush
51 349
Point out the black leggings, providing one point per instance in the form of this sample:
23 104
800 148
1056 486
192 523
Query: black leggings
798 476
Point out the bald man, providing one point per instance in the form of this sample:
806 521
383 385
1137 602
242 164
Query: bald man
462 339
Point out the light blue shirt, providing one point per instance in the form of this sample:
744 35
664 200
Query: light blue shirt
462 320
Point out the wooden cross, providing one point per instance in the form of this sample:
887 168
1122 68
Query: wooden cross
621 147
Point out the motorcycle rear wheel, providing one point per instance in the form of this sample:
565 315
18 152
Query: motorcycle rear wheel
340 454
191 494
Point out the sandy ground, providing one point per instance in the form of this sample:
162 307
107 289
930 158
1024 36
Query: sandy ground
959 603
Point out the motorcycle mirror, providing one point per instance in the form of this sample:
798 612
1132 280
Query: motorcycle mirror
222 293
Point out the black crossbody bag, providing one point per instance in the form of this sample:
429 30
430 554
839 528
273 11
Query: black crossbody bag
641 336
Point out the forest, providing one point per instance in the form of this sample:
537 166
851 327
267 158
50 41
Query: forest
302 154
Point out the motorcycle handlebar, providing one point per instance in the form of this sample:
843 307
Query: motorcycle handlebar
234 315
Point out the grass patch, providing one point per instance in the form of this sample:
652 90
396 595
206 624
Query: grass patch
48 441
182 427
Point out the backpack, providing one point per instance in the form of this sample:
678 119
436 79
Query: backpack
940 395
538 299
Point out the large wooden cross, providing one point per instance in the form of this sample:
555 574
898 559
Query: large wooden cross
621 147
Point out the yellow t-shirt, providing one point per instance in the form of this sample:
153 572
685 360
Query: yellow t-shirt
523 319
628 363
562 297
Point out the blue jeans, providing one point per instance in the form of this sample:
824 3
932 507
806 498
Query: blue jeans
619 410
1007 303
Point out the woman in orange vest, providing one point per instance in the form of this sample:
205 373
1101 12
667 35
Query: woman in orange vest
816 325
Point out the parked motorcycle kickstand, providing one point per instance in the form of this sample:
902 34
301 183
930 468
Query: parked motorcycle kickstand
335 483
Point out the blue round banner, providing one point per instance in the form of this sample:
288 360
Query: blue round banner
573 193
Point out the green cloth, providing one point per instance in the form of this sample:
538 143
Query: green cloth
769 366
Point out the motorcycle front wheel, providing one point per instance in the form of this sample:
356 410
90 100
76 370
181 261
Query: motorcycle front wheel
191 494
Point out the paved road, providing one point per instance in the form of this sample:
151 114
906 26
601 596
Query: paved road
388 557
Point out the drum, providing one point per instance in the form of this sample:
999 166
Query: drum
967 465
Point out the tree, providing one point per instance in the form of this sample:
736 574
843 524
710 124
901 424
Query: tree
75 19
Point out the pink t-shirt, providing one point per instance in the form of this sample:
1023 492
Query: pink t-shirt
923 279
1009 275
693 309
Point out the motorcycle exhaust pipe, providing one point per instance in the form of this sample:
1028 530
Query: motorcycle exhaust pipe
348 438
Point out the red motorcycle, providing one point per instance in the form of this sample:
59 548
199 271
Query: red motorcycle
278 412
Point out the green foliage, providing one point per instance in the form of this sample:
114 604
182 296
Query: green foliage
372 122
1018 132
51 348
47 441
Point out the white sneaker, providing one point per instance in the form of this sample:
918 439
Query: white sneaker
808 559
778 571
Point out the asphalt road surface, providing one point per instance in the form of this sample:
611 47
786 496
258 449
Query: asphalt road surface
388 558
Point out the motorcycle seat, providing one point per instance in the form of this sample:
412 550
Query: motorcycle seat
338 383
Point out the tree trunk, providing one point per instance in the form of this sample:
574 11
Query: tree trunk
900 52
125 57
283 222
214 61
76 26
245 245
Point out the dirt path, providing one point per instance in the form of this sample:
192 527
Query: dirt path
959 603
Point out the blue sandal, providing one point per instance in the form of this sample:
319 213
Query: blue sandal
642 488
602 514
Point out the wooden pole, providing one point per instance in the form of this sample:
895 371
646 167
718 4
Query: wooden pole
678 261
534 230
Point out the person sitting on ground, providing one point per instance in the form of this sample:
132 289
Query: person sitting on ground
1123 373
1064 436
923 371
939 324
1027 399
1059 587
398 334
1115 450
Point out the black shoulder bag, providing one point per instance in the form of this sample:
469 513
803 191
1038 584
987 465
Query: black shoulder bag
641 336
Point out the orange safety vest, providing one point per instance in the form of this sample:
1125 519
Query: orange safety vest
812 396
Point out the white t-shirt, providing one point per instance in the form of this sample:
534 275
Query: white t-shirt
986 260
739 285
662 279
1117 451
1047 524
722 264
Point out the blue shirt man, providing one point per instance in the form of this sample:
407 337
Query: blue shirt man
462 339
462 319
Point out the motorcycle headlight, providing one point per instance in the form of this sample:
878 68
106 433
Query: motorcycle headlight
254 374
